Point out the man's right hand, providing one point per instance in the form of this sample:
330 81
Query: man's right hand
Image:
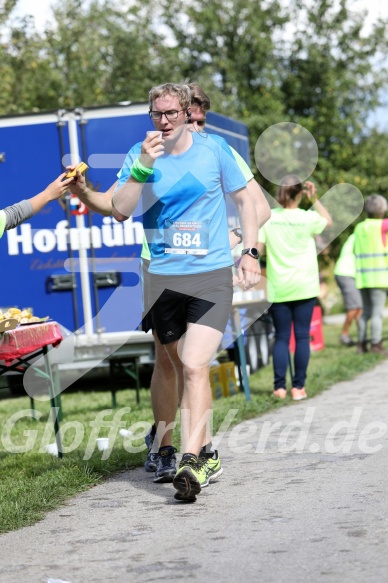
151 149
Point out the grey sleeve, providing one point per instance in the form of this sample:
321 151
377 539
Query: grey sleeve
17 213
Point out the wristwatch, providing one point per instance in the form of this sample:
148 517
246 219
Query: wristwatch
238 232
252 251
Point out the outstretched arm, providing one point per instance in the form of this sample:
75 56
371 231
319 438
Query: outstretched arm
99 202
53 191
24 210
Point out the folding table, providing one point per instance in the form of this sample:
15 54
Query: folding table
20 347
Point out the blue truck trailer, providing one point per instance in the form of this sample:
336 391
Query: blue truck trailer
80 268
45 258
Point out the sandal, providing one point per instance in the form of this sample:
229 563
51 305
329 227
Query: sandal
280 393
298 394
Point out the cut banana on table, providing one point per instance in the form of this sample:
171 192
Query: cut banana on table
21 316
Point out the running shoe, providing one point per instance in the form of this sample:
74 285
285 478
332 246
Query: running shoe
152 458
187 479
210 468
166 464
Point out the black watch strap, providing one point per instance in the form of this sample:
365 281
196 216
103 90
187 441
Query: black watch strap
252 251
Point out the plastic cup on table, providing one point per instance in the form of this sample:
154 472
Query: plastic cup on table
103 443
125 432
51 448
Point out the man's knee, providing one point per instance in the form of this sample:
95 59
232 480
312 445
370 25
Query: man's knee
193 373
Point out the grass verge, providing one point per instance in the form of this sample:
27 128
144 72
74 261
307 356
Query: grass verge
33 482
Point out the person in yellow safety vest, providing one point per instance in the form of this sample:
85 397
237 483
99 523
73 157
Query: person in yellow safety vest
371 251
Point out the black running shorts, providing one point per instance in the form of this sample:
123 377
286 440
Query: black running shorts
176 300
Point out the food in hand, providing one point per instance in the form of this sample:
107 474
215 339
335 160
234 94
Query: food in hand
81 167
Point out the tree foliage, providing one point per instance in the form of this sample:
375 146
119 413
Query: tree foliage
332 81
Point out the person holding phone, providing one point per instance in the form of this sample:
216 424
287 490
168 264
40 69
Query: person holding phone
292 271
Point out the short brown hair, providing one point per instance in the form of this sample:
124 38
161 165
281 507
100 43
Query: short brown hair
199 97
179 90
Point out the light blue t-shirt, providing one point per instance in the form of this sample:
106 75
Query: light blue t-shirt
184 210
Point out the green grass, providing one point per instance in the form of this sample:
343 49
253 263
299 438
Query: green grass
34 482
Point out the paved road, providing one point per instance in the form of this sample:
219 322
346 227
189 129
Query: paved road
303 498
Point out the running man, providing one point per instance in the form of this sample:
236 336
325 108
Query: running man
181 179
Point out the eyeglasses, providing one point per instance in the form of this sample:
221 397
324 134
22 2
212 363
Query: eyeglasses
200 122
170 115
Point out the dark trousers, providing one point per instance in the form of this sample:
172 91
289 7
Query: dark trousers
298 312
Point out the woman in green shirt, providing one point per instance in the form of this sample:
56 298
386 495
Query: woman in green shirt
293 277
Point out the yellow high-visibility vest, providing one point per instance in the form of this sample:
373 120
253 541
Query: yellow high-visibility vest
371 255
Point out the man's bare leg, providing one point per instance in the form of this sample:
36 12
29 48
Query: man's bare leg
192 356
193 353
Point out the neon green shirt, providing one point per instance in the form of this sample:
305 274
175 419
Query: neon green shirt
242 165
346 262
145 252
292 266
2 222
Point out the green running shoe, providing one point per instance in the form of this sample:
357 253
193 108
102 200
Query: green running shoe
210 468
187 479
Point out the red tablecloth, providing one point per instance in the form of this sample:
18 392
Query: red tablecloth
28 339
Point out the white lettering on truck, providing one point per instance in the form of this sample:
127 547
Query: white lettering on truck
25 240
